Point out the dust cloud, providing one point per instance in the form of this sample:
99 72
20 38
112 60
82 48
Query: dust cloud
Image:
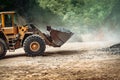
96 34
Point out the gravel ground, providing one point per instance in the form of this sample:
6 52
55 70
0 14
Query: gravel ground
72 61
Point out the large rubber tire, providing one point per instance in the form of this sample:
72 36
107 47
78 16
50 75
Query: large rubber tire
3 48
30 44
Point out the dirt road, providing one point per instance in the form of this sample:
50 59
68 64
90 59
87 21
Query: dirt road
73 61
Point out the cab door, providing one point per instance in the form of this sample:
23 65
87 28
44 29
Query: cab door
9 26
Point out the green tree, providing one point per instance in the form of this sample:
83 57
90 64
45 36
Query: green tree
62 12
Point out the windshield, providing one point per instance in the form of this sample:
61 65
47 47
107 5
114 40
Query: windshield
15 19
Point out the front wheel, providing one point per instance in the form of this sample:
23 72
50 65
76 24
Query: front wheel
34 45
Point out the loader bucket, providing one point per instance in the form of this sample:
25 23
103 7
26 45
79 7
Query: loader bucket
59 36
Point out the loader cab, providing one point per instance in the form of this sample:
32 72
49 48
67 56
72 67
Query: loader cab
7 23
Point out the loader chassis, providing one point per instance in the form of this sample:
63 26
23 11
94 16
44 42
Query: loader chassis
13 36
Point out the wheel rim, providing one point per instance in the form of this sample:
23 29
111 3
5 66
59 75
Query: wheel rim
34 46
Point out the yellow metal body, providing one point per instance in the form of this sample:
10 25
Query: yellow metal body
12 30
22 30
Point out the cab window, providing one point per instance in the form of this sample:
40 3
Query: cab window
15 19
0 22
0 19
8 20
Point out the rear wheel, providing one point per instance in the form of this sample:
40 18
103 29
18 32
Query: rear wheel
3 48
34 45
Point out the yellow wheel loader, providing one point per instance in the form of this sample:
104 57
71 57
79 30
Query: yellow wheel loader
13 36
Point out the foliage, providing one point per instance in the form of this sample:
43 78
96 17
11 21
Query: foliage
62 12
80 12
